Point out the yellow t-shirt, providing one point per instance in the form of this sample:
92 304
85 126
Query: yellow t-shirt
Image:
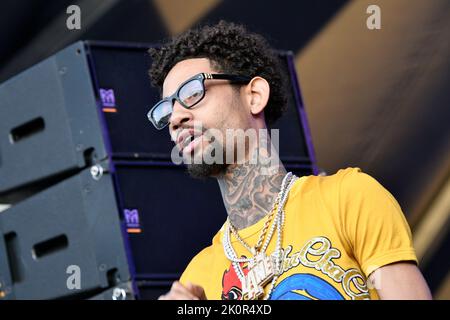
338 229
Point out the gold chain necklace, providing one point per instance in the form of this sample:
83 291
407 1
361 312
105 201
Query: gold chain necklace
254 250
262 269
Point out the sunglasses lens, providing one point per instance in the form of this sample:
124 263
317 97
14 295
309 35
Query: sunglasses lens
160 115
191 92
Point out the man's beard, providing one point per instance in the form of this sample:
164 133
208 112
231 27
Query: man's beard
202 170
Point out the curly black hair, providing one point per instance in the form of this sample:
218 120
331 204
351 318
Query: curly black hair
230 49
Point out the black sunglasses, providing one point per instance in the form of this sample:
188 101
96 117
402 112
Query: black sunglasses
190 92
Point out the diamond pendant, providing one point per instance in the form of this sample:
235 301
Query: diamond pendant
260 272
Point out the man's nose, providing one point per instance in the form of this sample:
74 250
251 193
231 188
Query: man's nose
180 116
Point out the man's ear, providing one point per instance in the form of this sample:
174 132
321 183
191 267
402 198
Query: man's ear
257 94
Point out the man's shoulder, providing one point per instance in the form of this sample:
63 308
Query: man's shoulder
348 186
335 189
326 182
340 174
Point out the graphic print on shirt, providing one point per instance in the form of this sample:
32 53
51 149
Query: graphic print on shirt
318 254
231 284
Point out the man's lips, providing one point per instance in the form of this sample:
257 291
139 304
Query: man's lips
191 146
186 137
183 135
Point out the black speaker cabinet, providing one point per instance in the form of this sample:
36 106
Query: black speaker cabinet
91 182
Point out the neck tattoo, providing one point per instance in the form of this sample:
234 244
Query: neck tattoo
248 192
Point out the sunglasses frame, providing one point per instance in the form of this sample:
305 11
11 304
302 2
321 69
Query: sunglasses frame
201 77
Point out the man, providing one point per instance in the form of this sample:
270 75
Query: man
336 237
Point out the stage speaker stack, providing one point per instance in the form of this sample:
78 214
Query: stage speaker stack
98 209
